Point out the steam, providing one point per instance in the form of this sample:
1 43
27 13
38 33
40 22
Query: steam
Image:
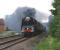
13 21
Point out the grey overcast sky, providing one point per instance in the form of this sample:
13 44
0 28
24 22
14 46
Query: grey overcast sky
9 6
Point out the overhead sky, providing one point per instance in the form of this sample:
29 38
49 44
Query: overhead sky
9 6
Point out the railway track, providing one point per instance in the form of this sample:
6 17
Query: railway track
2 40
12 42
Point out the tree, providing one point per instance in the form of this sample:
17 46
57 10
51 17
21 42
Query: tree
55 24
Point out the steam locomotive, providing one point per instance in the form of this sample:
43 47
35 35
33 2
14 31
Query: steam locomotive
31 27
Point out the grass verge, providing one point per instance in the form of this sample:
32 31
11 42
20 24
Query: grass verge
7 34
50 43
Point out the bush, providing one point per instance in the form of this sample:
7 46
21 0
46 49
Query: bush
49 43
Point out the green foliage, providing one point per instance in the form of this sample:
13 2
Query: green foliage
54 28
56 5
54 12
49 43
